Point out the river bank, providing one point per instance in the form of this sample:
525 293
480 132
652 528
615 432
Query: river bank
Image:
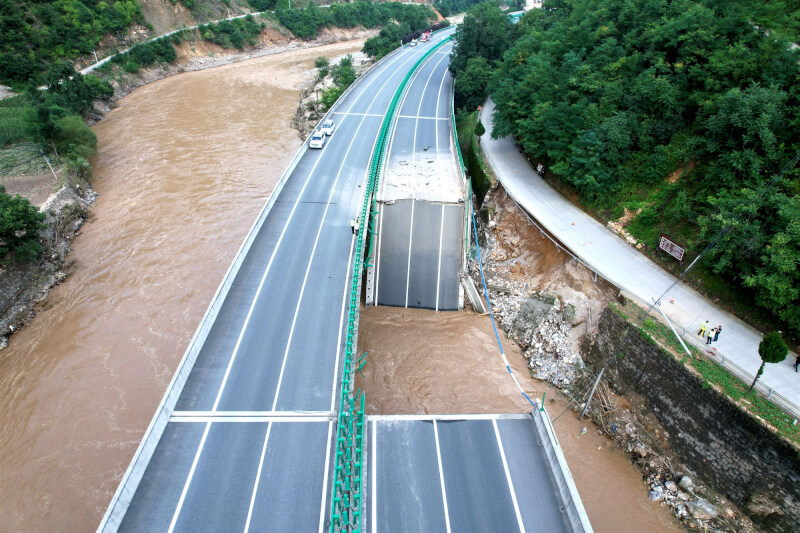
183 168
25 286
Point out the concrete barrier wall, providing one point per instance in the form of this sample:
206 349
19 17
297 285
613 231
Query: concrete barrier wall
571 500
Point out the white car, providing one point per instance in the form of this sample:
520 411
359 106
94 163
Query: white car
413 43
327 128
317 140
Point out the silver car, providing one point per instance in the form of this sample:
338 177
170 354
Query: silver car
317 140
327 128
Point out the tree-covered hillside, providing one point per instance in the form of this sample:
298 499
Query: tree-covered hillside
684 109
33 33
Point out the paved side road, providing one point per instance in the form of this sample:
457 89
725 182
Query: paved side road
620 263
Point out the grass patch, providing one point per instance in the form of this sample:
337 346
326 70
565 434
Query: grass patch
12 115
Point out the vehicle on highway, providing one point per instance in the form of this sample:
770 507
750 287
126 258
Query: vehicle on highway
317 140
327 128
413 43
424 37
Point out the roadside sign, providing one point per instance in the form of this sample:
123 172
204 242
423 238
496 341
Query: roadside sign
666 244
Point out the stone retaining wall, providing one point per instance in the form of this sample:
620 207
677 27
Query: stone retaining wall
726 446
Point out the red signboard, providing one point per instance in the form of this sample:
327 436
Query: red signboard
669 246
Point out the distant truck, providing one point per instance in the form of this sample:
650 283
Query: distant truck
425 37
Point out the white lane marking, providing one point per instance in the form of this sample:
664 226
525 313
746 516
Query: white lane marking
253 418
348 113
273 414
508 477
335 386
325 480
413 173
477 416
280 239
421 117
374 477
303 288
258 478
311 258
410 241
188 480
378 256
441 476
439 166
439 266
261 284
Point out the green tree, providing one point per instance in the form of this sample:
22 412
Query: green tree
329 96
343 72
20 223
483 33
322 65
479 129
772 349
471 84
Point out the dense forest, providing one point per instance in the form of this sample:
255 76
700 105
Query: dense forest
682 111
305 22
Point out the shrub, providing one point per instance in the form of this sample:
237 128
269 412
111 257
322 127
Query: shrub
20 223
329 96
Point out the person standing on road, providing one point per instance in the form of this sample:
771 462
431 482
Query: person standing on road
716 335
540 169
710 336
796 362
703 329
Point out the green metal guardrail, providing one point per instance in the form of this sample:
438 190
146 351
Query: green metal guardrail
467 229
346 499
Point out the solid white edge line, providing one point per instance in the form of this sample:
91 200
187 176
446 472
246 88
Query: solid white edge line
258 478
508 476
439 266
347 282
255 299
378 256
357 114
476 416
441 477
325 480
249 419
421 117
185 490
314 252
410 241
283 232
273 414
374 477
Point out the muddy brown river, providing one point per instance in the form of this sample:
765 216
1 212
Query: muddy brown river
184 166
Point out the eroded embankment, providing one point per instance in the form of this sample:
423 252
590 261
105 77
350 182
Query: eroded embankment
426 362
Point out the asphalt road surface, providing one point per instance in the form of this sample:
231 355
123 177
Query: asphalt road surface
420 222
250 441
477 473
249 444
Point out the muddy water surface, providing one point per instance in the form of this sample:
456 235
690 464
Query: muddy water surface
422 362
183 167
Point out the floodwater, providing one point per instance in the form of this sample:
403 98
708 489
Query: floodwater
184 166
422 362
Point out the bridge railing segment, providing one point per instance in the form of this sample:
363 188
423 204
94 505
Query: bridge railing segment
348 482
